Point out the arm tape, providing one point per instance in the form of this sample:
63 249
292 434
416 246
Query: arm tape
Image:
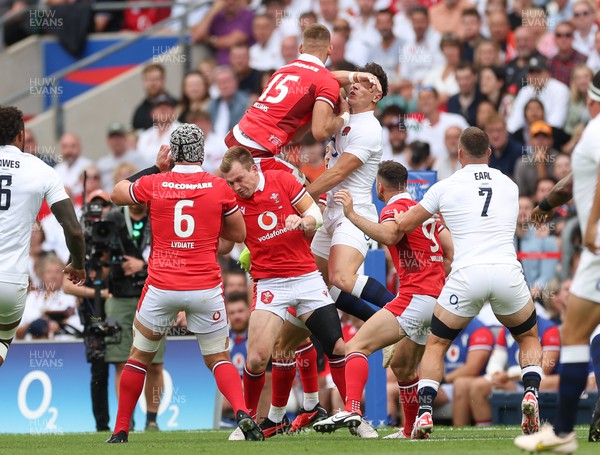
148 171
315 212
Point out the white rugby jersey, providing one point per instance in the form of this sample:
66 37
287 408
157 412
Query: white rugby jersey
25 181
362 138
584 163
480 206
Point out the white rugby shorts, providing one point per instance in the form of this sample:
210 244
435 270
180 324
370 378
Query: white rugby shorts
586 282
469 288
339 230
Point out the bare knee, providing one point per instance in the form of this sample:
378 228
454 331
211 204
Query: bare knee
403 372
342 280
257 361
211 360
339 348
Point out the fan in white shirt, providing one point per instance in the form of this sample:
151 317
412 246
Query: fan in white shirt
72 164
150 140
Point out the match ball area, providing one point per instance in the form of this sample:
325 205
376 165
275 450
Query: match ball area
445 440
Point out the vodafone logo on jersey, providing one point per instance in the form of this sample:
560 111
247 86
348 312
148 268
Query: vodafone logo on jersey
267 221
266 297
216 315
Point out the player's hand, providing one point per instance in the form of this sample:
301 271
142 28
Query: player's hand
344 198
164 158
589 238
76 276
343 105
374 81
539 217
105 294
293 222
399 216
132 265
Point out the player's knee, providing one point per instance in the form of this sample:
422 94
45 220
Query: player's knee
443 333
342 280
257 361
324 323
402 371
340 347
143 343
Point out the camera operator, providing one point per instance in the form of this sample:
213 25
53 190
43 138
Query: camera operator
126 282
88 315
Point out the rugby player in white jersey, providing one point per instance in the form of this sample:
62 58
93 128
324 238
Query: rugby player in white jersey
25 181
583 306
479 205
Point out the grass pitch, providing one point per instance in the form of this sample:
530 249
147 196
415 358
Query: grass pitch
445 440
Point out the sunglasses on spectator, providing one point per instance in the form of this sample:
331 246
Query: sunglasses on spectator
582 13
564 35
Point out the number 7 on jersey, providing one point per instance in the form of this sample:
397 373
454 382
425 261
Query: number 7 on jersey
487 192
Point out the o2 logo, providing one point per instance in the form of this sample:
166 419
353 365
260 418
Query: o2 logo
454 301
45 425
170 400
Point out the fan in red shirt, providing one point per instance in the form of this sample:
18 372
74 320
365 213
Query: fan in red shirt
189 210
299 97
278 213
419 258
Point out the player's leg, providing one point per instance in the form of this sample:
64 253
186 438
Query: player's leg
478 393
512 304
321 247
154 387
12 305
594 434
380 330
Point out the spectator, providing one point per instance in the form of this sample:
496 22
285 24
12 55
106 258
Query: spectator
503 371
395 147
248 77
116 138
562 64
214 147
420 55
534 111
561 166
532 241
285 16
446 15
164 123
312 158
227 109
466 359
31 146
226 24
559 11
356 50
238 315
402 23
48 309
593 61
361 17
484 111
337 60
556 299
525 47
153 78
492 86
265 53
465 102
328 13
536 20
289 49
537 163
578 113
140 19
553 94
430 124
449 164
72 163
419 157
487 53
387 51
443 77
234 281
194 95
584 15
500 32
506 152
470 27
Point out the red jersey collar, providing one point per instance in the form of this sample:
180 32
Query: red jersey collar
311 58
187 168
399 196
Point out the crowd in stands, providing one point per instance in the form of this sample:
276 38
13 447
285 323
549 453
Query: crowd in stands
519 70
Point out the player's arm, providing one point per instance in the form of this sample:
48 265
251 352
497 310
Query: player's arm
324 123
352 77
411 219
234 228
123 193
65 214
332 177
448 248
309 217
225 246
591 230
560 194
386 233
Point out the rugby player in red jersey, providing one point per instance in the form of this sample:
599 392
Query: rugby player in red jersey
278 212
419 260
189 210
